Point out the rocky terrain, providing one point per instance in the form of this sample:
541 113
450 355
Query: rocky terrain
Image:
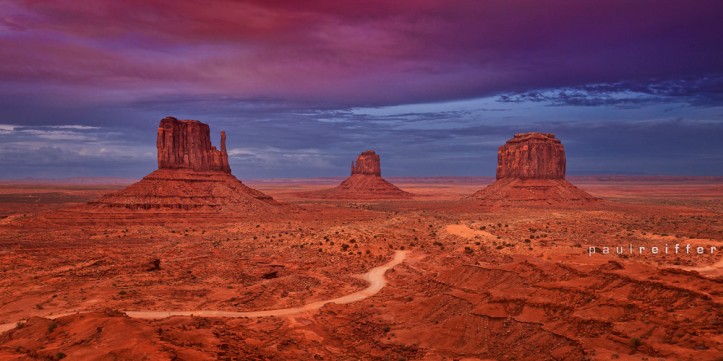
478 282
191 264
365 182
531 169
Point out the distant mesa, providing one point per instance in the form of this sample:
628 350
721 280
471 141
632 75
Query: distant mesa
365 182
531 168
192 175
368 163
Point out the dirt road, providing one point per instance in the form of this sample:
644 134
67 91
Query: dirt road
375 277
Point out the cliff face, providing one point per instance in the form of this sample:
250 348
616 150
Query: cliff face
186 144
531 156
368 163
531 169
192 176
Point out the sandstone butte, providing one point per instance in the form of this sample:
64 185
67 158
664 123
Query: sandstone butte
186 144
192 175
531 168
365 182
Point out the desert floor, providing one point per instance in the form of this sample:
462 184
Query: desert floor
436 277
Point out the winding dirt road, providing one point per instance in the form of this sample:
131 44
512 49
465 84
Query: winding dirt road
375 277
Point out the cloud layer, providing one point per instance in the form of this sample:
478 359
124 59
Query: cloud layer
299 82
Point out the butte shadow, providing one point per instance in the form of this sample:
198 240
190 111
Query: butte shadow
531 170
364 183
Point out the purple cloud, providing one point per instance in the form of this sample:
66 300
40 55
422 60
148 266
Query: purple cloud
323 79
370 53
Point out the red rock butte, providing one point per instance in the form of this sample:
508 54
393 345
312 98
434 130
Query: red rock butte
365 182
531 156
192 176
531 168
186 144
368 162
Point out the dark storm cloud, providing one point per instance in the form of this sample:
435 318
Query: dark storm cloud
299 146
645 147
356 53
68 150
302 87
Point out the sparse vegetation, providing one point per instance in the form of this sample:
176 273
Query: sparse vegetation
205 272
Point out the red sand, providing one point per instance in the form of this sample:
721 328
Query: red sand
480 281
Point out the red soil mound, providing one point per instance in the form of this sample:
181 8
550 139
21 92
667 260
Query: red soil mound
187 190
532 190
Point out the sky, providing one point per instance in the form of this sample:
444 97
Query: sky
632 87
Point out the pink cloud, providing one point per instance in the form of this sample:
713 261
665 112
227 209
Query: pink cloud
360 53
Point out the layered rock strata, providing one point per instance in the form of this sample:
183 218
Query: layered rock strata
367 163
186 144
531 156
192 175
531 168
